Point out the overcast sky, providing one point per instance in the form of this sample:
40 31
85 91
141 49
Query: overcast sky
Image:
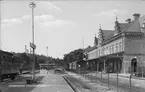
61 25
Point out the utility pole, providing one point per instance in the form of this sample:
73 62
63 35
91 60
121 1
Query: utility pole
47 57
83 48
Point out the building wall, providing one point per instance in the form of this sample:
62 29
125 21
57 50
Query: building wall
133 47
109 48
127 63
92 54
113 47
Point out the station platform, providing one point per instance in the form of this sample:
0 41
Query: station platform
52 83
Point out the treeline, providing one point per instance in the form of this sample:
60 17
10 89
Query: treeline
76 55
26 60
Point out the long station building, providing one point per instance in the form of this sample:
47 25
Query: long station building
119 50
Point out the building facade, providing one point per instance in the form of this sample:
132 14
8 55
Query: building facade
121 49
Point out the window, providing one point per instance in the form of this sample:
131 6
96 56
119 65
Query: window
120 46
112 48
107 51
99 52
104 51
117 47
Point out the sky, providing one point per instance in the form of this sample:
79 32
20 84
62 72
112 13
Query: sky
62 25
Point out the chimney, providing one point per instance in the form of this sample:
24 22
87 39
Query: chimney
128 20
136 16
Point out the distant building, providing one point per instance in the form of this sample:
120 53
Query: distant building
122 48
46 65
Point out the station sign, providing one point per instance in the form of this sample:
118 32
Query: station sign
32 45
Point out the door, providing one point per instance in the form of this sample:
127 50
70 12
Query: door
134 65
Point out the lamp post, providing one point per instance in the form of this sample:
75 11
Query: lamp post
32 5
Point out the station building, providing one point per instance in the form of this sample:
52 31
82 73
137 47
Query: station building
119 50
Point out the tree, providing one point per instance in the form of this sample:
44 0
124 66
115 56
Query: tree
76 55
